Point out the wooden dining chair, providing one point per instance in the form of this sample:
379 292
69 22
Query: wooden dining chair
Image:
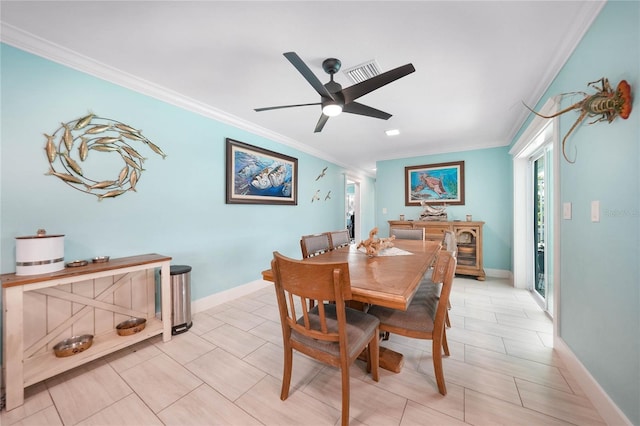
407 233
339 239
450 244
425 316
329 332
312 245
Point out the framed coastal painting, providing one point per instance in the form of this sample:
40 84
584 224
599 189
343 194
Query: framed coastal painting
258 176
441 183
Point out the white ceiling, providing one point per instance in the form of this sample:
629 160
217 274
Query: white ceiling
476 62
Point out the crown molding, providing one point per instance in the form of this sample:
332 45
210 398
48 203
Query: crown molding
563 51
39 46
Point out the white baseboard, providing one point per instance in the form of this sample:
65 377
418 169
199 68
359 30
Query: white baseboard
499 273
228 295
608 410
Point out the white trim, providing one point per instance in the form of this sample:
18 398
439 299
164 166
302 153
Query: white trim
608 410
31 43
228 295
523 147
522 210
499 273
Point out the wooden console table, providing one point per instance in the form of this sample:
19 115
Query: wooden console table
41 310
468 234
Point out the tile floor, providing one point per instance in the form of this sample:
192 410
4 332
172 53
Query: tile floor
227 371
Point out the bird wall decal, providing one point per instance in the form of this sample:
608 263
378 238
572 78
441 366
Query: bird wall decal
322 173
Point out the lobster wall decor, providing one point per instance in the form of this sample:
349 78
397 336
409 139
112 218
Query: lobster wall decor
606 103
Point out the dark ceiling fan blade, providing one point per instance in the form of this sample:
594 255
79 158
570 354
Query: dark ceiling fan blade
354 92
284 106
308 74
357 108
321 123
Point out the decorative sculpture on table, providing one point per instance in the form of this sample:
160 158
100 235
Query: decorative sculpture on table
97 135
374 245
604 103
433 212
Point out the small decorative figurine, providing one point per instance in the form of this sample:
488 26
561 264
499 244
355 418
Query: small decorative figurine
432 212
374 245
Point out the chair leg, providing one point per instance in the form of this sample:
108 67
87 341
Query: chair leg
436 350
286 374
446 320
445 345
345 395
373 360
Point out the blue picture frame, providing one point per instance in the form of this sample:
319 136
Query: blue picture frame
440 183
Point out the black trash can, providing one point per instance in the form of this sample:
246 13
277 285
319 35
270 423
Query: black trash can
180 299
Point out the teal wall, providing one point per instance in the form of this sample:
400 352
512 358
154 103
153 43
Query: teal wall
488 197
179 208
600 281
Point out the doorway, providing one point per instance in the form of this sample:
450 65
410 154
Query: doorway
541 193
352 208
536 194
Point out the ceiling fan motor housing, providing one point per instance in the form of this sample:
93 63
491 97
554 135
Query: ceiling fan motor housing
331 65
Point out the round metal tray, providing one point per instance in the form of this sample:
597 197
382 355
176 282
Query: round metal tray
131 326
73 345
77 263
100 259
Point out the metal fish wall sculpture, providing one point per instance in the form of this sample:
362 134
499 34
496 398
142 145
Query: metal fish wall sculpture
91 136
606 103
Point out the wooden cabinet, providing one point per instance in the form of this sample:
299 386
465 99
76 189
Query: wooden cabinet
468 235
41 310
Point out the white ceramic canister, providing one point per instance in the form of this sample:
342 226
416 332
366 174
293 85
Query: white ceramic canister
39 254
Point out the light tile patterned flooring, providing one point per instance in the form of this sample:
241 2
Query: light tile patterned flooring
227 370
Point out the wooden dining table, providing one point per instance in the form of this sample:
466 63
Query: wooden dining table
389 279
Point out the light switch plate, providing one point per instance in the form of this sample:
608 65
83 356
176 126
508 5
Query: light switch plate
595 211
566 211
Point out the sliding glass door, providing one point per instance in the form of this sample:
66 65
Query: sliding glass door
542 226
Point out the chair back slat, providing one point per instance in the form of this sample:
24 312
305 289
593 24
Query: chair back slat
407 233
440 267
312 245
323 318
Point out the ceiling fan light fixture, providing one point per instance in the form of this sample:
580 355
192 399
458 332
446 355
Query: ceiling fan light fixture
331 109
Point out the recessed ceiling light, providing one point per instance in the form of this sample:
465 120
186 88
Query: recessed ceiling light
392 132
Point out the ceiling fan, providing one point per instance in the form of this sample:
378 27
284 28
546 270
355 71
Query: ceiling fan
333 98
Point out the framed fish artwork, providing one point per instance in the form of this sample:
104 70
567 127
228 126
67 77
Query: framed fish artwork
258 176
441 183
